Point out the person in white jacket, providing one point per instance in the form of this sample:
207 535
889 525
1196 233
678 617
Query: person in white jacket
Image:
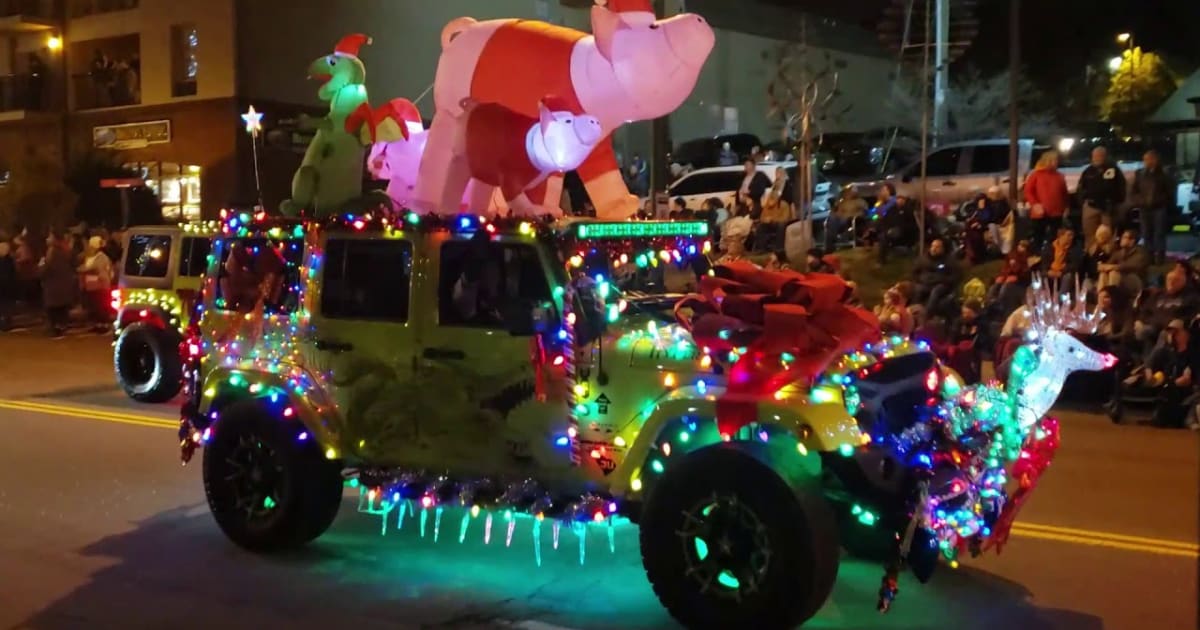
97 276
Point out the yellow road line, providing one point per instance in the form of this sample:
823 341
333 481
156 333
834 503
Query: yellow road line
1022 529
1121 538
89 414
33 404
1102 542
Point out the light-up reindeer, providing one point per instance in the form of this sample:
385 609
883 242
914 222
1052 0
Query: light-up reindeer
998 438
1051 352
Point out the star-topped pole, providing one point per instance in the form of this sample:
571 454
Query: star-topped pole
253 120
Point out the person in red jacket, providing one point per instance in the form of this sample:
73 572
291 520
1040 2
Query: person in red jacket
1047 196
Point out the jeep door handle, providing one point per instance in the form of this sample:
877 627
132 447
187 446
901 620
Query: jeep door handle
326 345
446 354
949 183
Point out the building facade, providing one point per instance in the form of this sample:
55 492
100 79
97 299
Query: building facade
163 83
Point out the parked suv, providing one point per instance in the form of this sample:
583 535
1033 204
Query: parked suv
723 183
956 173
161 273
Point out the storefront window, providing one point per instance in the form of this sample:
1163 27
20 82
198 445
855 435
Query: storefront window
177 187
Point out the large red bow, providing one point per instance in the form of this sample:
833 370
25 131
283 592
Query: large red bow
388 123
772 313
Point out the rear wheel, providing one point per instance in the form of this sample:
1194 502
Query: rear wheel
267 489
726 543
146 359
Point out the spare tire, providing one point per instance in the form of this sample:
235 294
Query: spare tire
147 362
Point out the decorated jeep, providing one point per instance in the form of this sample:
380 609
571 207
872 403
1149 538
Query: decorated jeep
448 362
736 426
160 277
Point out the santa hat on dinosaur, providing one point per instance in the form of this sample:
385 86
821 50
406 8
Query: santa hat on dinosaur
638 12
350 45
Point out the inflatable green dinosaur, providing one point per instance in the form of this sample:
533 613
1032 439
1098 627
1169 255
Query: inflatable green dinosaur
331 174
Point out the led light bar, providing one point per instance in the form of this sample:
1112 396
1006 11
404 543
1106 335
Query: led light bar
639 229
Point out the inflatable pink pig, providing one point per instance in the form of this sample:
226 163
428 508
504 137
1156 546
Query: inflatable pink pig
633 67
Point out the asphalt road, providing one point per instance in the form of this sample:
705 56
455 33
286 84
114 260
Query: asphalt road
100 527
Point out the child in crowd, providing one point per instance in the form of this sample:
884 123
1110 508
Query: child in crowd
894 316
1009 289
778 261
961 353
818 262
1097 257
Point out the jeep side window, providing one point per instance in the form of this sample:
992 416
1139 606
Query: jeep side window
482 281
193 257
257 269
149 256
367 279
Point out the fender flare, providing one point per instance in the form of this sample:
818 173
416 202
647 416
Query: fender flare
147 313
796 433
224 386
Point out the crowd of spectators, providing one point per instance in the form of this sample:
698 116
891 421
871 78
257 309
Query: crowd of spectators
58 273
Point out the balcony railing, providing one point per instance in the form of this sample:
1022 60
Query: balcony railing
25 92
115 88
40 9
83 8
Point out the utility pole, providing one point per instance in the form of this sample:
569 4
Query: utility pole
942 70
1014 112
920 210
660 129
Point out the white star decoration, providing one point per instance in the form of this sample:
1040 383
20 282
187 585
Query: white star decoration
253 121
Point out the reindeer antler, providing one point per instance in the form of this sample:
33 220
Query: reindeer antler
1051 309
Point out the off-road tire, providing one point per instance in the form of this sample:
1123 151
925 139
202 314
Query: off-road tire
306 488
147 363
798 525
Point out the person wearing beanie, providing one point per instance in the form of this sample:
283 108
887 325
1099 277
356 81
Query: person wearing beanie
97 271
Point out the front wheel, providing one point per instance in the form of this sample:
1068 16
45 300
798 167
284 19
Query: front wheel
146 359
268 489
726 543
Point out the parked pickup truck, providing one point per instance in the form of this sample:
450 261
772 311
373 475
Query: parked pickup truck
955 173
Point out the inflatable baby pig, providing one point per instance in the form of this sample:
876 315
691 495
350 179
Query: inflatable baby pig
633 67
507 150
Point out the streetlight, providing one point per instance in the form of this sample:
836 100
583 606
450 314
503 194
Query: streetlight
1114 64
1125 39
54 43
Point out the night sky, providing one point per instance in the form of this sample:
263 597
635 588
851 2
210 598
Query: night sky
1059 37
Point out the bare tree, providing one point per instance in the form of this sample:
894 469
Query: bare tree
802 96
977 107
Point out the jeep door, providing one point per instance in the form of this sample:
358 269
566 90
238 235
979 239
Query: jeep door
363 342
486 375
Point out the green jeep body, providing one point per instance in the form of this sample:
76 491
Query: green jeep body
161 273
365 365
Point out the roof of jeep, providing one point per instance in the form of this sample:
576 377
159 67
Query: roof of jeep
562 230
199 228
